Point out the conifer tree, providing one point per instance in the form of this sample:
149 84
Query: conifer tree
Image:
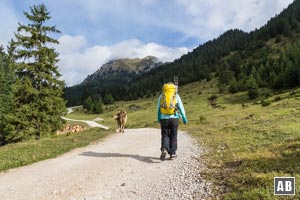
39 102
98 109
88 104
256 76
7 84
233 87
226 77
291 75
108 99
252 88
3 106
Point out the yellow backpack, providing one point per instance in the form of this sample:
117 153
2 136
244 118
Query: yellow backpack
168 101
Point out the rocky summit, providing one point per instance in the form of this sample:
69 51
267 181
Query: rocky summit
126 66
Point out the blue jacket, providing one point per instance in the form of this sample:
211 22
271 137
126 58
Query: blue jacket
181 113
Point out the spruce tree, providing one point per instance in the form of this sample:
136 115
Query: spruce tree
3 107
108 99
252 88
233 87
39 104
88 104
98 109
7 79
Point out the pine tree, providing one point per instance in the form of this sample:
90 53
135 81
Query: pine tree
39 103
98 109
88 104
8 84
225 77
7 80
108 99
233 87
3 107
252 88
256 76
291 75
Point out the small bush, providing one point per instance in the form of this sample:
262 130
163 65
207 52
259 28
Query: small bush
292 94
267 95
134 107
202 119
278 98
265 103
213 100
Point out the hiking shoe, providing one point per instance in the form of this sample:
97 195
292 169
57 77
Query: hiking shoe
163 154
173 156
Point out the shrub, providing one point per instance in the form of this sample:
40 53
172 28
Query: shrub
265 103
278 98
213 100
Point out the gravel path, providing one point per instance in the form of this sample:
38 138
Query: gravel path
88 122
124 166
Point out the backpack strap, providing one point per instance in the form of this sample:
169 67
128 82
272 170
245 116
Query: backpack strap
163 102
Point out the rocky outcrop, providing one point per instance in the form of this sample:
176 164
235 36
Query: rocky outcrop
124 66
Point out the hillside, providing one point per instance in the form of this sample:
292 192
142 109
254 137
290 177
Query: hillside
267 56
248 141
110 77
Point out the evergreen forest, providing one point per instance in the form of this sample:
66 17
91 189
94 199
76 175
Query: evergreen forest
30 90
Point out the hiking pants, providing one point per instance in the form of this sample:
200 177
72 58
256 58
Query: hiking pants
169 129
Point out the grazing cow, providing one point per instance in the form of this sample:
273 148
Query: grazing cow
121 118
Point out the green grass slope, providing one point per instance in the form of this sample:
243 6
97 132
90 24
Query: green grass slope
247 143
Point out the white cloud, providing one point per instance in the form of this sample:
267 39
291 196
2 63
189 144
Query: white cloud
77 60
69 44
8 23
210 18
117 22
201 19
137 49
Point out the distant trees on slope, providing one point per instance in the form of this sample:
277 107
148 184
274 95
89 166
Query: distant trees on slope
269 55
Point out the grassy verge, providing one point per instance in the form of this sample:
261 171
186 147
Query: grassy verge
248 144
24 153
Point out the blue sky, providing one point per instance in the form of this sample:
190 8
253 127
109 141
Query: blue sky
96 31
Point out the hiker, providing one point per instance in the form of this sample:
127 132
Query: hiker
169 110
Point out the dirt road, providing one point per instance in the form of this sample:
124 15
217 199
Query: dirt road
88 122
124 166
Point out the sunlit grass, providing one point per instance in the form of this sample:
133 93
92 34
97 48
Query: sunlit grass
24 153
246 144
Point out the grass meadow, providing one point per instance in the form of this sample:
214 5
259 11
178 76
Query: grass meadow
247 143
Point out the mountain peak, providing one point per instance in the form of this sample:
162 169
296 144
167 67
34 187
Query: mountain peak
126 67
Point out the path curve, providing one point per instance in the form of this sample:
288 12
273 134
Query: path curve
124 166
90 123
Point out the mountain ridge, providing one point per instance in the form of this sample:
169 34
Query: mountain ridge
125 67
268 55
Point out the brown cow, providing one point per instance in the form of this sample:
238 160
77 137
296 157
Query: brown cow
121 118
